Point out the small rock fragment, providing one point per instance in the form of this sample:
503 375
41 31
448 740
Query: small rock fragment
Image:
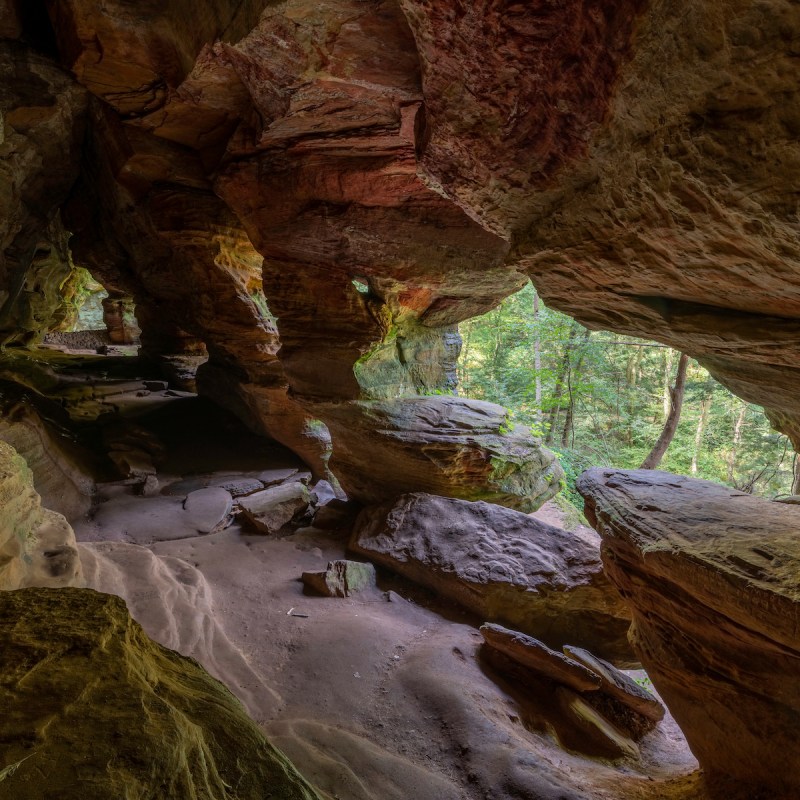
535 656
341 578
150 486
133 463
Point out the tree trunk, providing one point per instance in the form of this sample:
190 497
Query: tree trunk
558 389
671 425
668 354
498 341
463 360
705 409
633 370
569 420
795 475
737 437
537 357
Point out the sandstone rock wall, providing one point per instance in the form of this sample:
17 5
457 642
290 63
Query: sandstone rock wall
711 578
634 159
37 546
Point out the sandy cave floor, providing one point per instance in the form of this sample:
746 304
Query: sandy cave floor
377 697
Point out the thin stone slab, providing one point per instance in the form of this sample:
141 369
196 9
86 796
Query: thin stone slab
595 726
618 685
273 477
538 657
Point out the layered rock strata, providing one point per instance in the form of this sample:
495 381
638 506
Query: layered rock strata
94 709
42 118
441 445
37 546
314 145
710 576
635 161
502 565
587 710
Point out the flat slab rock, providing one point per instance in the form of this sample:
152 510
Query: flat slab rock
98 692
209 509
274 509
443 445
503 565
711 577
618 685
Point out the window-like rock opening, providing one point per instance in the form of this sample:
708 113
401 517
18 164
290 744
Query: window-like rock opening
601 399
93 319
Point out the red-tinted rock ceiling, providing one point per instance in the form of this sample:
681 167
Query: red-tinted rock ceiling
636 160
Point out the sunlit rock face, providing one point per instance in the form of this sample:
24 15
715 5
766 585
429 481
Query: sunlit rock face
94 708
711 578
441 445
37 546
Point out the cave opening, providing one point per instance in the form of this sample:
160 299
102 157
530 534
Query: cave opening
601 400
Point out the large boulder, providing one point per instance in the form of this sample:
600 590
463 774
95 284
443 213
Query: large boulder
711 577
37 546
93 709
442 445
503 565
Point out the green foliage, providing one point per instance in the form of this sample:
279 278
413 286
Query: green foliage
616 388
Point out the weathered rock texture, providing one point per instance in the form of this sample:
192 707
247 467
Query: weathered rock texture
273 510
711 577
501 564
42 113
35 428
95 709
37 546
537 657
574 700
441 445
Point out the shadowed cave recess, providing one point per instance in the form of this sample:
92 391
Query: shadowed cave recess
255 541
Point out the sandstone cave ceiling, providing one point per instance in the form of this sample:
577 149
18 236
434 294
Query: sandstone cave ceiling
636 160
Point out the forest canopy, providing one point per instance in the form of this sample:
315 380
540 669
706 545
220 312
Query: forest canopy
601 399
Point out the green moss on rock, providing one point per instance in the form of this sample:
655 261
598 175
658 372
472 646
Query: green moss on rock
93 709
